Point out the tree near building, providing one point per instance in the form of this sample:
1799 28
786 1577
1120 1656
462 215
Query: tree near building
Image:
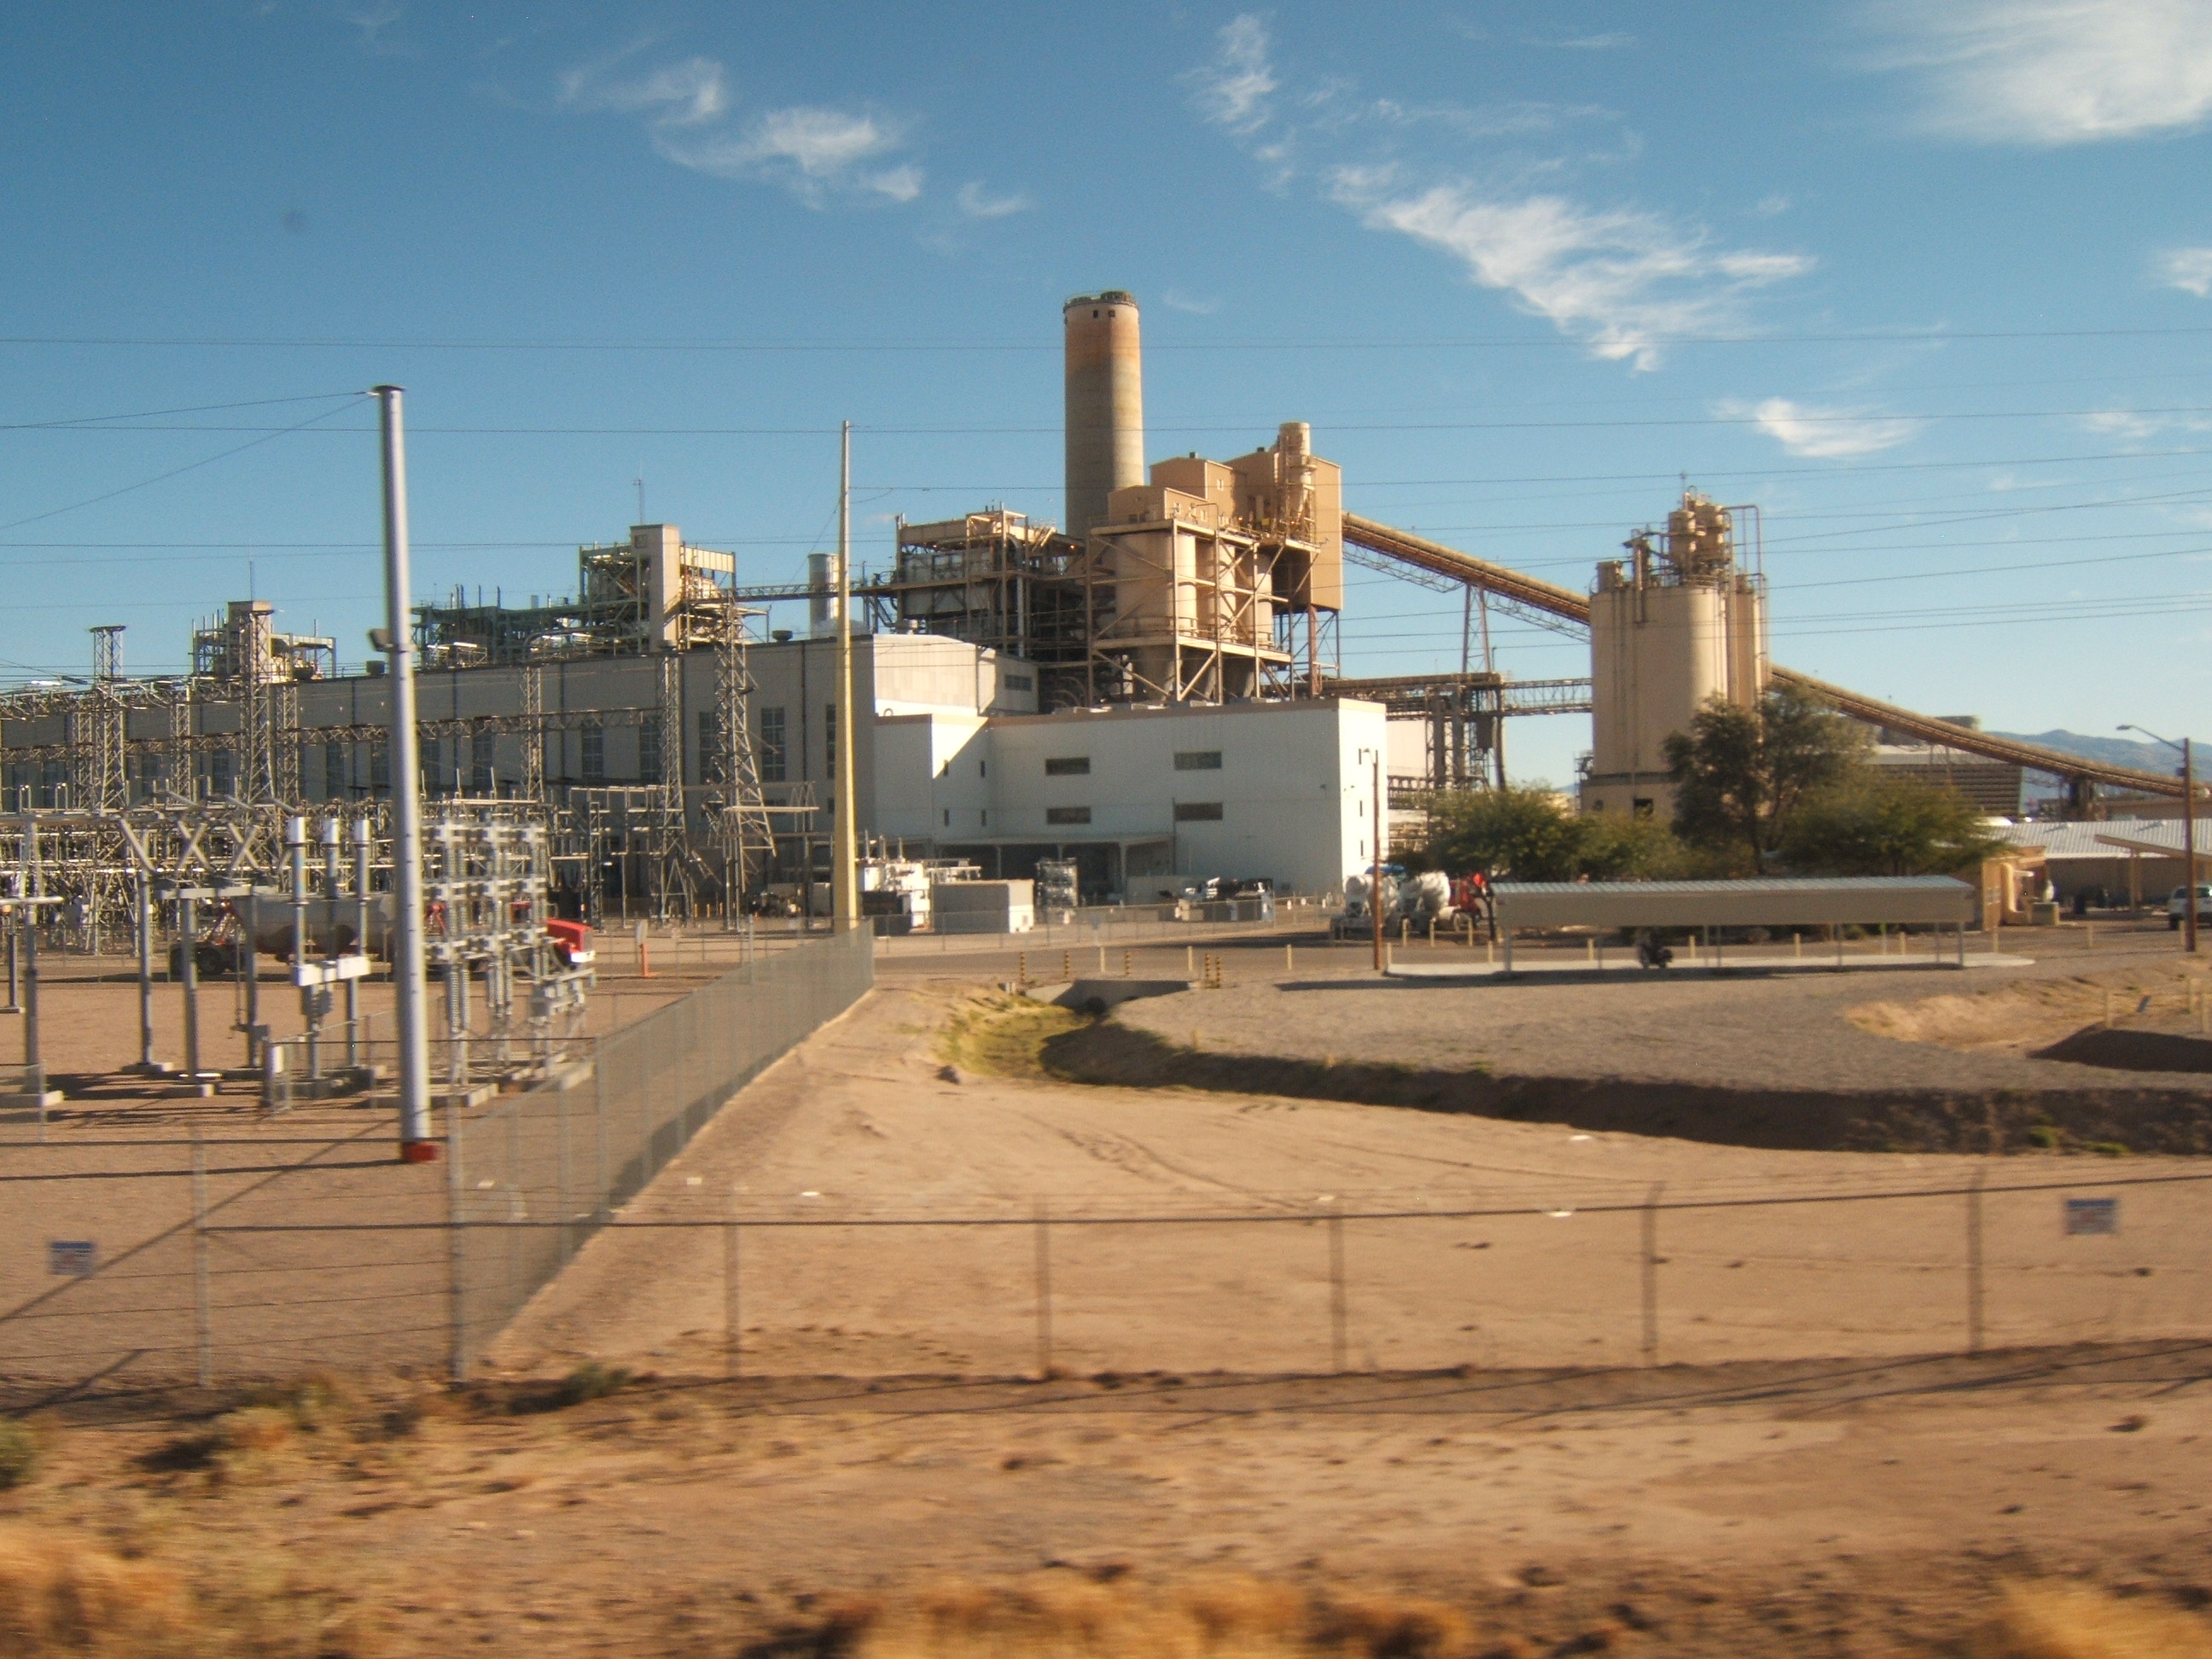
1514 833
1534 835
1873 824
1741 775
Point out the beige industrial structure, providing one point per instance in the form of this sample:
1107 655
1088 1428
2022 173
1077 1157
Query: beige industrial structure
680 760
1104 410
1675 625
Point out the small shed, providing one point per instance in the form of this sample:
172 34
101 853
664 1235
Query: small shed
1781 902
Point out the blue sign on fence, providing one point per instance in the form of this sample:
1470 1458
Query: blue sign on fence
2093 1215
76 1257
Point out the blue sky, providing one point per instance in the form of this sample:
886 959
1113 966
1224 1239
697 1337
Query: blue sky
1930 284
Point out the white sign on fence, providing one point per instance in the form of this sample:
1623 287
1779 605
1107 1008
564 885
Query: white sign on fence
76 1257
2093 1215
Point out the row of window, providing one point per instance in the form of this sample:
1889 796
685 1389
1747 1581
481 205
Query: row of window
1186 760
1186 811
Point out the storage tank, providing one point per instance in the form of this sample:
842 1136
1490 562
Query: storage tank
1105 409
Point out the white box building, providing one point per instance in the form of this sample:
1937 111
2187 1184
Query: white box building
1140 797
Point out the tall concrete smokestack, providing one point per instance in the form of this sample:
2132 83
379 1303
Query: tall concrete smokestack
1105 404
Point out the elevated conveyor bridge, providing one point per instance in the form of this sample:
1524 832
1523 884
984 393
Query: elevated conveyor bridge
1533 593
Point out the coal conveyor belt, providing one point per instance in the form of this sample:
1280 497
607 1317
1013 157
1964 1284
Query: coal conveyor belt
1536 594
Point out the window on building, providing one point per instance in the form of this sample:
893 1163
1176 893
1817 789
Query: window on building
1198 811
1067 766
830 739
771 745
434 773
336 782
483 752
948 818
648 752
379 770
1068 815
1020 683
710 743
593 741
1198 760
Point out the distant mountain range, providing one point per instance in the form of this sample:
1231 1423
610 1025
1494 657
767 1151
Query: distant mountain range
2112 751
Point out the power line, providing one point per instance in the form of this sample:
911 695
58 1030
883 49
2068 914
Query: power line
190 466
1553 342
1517 425
97 422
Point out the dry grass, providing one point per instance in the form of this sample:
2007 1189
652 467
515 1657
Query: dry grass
61 1595
1001 1035
2068 1622
1111 1617
57 1596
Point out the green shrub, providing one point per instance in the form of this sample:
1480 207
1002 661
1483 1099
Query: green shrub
19 1452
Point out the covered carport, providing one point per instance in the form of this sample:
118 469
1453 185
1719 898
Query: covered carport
1830 903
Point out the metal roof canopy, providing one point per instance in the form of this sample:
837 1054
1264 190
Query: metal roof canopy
1776 902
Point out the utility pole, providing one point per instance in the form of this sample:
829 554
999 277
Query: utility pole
1375 890
2189 848
845 877
2188 831
415 1145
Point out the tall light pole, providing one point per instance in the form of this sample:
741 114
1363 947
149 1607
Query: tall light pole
2188 833
415 1145
845 877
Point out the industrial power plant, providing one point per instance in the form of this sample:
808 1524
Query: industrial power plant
1147 694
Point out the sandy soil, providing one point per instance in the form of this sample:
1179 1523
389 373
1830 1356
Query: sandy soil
1186 1228
1849 1511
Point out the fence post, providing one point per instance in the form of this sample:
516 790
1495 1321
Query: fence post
1043 1293
1651 1272
202 1310
733 1328
1974 1262
456 1251
1337 1310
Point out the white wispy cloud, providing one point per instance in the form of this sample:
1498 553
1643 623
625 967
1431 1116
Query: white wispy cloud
1820 432
683 94
2054 71
1622 280
1619 279
978 203
1177 299
812 150
2189 269
1233 90
1610 42
378 31
2139 426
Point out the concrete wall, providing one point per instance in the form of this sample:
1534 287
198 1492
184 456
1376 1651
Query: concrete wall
1293 789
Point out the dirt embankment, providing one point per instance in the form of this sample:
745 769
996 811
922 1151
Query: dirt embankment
1074 1048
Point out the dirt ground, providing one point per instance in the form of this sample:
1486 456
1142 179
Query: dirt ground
1445 1393
900 1213
1832 1510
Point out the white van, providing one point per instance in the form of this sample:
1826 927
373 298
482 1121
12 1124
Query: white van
2177 906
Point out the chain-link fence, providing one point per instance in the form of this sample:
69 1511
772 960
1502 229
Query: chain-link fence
569 1154
133 1256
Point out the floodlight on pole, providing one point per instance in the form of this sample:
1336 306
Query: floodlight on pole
2188 832
416 1145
